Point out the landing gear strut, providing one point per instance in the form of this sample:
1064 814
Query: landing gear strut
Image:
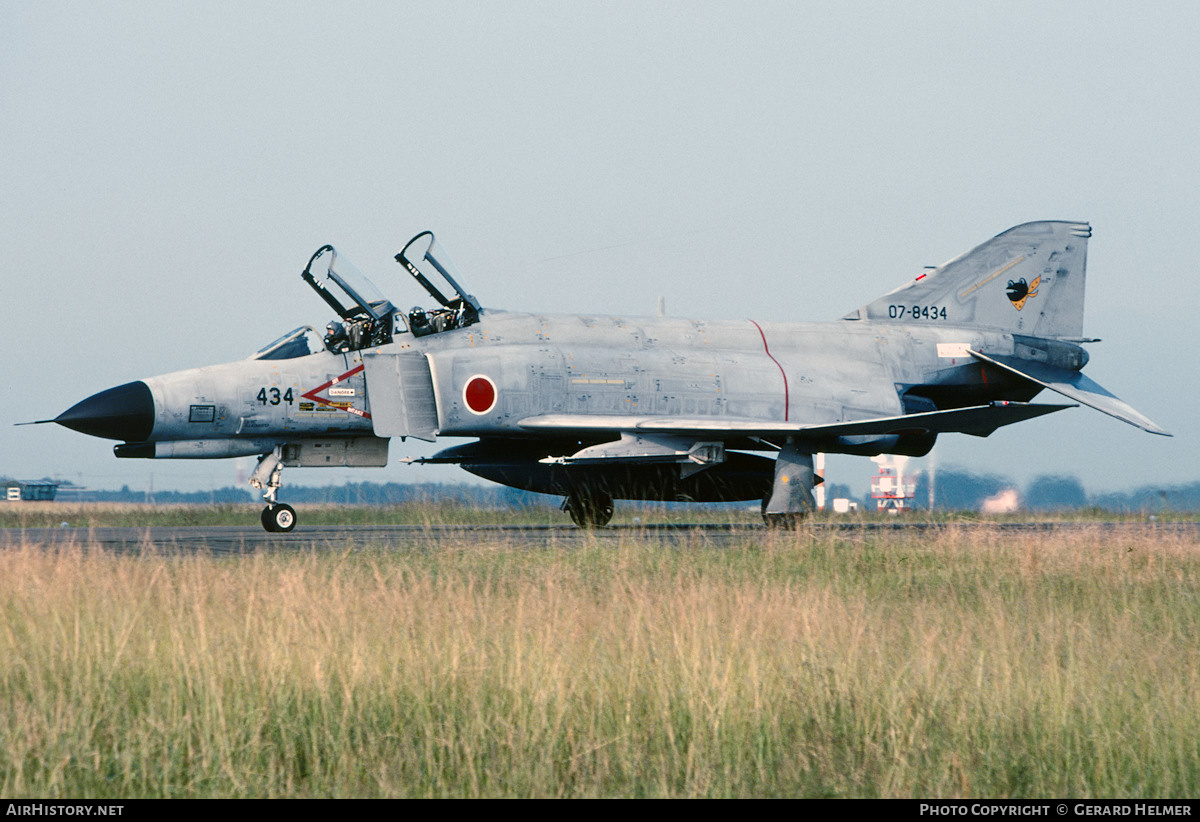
277 516
589 509
791 497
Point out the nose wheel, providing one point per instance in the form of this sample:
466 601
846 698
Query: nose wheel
278 518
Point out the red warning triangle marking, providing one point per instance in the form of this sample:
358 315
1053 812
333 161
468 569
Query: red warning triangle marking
312 395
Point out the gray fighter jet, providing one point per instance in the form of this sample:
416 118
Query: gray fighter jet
596 408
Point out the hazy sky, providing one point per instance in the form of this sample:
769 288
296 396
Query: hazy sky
168 168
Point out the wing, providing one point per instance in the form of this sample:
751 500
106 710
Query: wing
701 440
980 420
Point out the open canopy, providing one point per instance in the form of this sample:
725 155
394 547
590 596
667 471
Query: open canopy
430 265
346 289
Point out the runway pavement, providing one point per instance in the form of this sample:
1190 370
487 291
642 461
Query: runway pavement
247 539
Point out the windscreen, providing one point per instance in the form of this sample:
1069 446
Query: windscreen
299 342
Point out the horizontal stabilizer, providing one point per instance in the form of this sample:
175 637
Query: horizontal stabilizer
1075 386
979 420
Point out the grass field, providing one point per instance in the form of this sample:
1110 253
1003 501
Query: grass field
971 663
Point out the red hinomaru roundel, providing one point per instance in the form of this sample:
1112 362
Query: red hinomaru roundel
480 394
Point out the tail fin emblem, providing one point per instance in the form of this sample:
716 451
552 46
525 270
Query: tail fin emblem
1020 291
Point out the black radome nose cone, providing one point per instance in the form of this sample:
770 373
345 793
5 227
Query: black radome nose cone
122 413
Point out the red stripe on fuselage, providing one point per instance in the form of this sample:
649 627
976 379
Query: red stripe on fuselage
782 373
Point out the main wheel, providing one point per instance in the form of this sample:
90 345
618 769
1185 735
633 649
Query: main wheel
589 510
278 518
781 522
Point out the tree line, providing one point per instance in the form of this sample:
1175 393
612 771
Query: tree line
954 490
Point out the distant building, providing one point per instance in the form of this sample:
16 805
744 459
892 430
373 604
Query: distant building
892 491
17 490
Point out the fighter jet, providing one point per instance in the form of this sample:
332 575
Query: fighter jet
597 408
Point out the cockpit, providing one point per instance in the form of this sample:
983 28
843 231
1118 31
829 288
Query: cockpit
364 314
365 317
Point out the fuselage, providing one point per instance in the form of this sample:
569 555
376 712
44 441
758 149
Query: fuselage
484 379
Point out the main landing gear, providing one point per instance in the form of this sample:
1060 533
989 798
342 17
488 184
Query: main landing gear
791 497
277 517
588 508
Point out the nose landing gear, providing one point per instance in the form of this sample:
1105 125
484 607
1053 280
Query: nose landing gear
277 516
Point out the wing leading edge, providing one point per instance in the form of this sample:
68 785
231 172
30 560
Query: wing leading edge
980 420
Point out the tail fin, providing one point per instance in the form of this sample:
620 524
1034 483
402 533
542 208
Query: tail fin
1028 280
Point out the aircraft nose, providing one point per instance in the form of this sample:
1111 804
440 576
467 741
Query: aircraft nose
122 413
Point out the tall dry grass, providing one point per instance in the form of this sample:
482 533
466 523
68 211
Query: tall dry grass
965 664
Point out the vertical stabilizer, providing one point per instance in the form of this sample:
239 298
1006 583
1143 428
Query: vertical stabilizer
1028 280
